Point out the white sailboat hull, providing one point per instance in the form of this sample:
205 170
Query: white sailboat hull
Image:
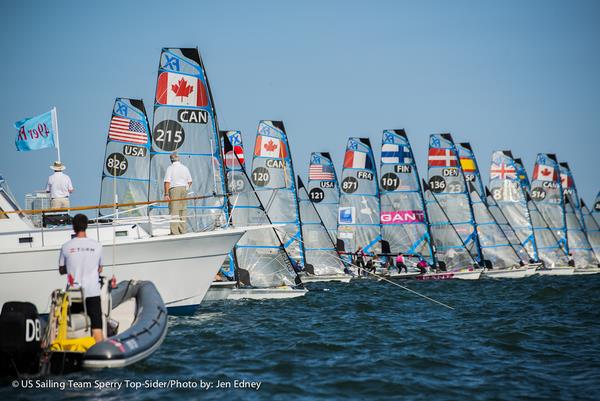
556 271
591 270
219 291
182 267
266 293
457 275
506 273
531 270
343 278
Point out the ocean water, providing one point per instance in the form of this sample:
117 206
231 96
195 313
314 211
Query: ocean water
530 339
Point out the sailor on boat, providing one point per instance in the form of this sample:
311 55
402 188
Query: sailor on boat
400 263
59 186
177 181
81 259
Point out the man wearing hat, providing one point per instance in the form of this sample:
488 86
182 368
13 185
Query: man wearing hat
60 187
177 181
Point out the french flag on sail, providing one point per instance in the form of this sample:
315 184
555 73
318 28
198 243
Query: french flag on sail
354 159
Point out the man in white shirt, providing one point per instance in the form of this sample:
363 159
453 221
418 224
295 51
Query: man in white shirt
177 181
81 258
60 187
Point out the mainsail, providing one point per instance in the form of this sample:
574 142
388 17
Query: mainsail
451 252
447 182
579 246
508 193
592 228
319 248
358 215
495 246
323 190
404 222
185 121
596 209
127 158
259 253
548 212
273 177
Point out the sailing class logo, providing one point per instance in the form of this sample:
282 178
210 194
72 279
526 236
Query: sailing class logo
116 164
402 217
168 135
180 90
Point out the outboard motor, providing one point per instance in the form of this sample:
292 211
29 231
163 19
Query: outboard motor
20 339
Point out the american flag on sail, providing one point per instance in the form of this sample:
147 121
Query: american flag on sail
320 172
127 130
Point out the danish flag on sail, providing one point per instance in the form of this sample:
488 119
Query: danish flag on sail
267 146
180 90
502 171
543 172
441 158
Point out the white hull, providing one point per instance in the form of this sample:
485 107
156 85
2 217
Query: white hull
506 273
531 271
556 271
219 291
457 275
344 278
182 267
592 270
266 293
401 275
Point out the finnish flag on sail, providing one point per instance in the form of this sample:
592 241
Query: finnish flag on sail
36 133
395 154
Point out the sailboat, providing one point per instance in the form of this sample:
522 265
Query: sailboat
263 268
579 246
451 218
322 261
324 191
500 257
593 229
548 216
404 221
358 213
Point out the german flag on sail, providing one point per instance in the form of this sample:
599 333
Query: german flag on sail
467 164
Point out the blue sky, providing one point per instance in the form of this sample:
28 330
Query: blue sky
520 75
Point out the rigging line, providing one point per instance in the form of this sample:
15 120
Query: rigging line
396 284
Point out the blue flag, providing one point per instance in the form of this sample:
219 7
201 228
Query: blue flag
36 133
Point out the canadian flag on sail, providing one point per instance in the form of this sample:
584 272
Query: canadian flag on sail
543 172
267 146
180 90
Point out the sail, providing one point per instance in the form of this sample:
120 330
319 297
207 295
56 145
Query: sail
125 174
495 246
596 209
447 182
506 190
260 253
548 213
358 214
273 177
579 246
593 229
522 174
450 249
185 122
404 223
319 248
323 190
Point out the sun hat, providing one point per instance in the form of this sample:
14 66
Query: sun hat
58 166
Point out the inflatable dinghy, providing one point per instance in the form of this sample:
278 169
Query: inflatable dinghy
134 328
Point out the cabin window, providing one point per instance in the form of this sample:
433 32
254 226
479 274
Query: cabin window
25 240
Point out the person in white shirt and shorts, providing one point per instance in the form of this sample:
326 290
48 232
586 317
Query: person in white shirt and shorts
81 258
177 181
60 187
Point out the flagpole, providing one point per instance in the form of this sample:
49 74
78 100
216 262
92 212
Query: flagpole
56 138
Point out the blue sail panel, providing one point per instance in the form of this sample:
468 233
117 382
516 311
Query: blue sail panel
358 213
125 174
404 222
